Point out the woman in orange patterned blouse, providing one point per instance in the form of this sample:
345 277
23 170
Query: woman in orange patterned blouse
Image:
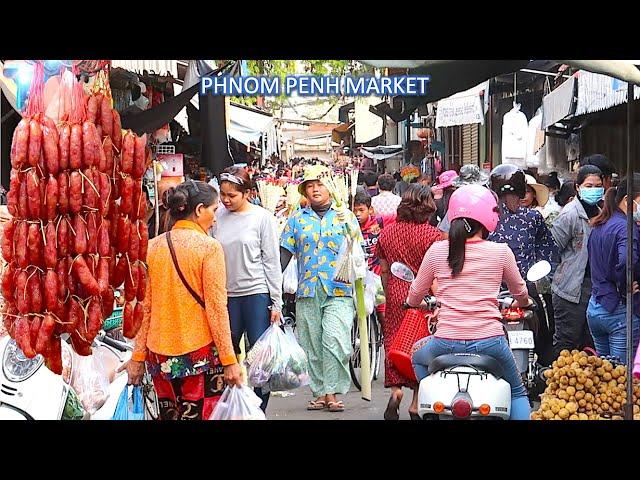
185 337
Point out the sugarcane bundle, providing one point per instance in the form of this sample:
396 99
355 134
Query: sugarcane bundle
270 192
293 195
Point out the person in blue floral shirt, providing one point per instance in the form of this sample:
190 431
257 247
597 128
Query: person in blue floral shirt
324 307
529 238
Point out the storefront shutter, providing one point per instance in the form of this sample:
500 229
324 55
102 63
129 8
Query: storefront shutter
470 144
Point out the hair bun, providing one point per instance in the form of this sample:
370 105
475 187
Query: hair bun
177 199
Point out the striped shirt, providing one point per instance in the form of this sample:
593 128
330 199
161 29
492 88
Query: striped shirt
469 301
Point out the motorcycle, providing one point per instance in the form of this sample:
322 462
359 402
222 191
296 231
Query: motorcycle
471 386
520 325
30 391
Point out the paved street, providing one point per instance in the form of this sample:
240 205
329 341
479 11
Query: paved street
294 407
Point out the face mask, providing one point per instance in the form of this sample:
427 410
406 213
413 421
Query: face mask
636 213
591 195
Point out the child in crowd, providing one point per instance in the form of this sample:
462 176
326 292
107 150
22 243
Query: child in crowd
371 226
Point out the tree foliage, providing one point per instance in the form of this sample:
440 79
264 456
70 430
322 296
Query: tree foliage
282 68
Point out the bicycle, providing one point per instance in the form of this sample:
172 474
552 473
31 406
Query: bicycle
375 349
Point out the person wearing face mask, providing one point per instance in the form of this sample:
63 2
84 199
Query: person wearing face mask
607 309
249 238
185 337
571 286
324 307
604 164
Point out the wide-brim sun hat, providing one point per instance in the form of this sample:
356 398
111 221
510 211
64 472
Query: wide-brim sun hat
446 179
312 172
542 191
471 175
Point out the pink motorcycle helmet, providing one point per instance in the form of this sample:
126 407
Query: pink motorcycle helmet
475 202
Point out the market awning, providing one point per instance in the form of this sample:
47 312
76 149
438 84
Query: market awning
381 152
450 76
160 67
247 124
447 77
559 104
463 108
598 92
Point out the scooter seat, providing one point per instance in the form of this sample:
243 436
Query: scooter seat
481 362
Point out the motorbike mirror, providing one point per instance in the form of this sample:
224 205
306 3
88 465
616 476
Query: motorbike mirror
401 271
539 271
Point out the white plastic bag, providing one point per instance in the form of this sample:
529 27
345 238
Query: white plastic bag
373 292
90 381
276 362
290 277
238 403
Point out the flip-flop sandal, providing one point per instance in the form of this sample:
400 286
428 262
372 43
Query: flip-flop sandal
316 405
391 413
336 406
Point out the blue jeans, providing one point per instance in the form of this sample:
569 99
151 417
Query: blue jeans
250 314
496 347
609 329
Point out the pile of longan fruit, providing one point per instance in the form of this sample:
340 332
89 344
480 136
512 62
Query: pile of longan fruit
583 387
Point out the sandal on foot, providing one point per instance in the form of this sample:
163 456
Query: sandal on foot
391 413
414 416
316 405
336 406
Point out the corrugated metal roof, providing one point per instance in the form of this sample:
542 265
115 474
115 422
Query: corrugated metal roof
598 92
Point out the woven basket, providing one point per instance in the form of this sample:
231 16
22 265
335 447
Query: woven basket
415 326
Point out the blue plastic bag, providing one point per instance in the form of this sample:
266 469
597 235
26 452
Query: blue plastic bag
123 410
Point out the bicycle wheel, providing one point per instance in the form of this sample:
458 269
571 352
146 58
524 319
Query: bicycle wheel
378 352
354 361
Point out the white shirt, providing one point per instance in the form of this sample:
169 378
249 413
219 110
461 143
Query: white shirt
385 203
515 130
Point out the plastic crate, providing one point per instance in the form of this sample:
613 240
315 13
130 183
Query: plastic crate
113 321
415 326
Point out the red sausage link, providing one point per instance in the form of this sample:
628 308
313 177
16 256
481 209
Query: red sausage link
64 143
50 249
36 245
35 142
52 198
63 193
75 192
75 147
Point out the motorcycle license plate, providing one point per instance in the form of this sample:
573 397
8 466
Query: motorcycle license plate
521 339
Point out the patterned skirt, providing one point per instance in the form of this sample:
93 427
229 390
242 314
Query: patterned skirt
188 386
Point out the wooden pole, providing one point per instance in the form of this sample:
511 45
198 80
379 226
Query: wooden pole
157 202
365 364
628 410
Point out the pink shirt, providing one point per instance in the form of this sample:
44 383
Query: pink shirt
469 305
